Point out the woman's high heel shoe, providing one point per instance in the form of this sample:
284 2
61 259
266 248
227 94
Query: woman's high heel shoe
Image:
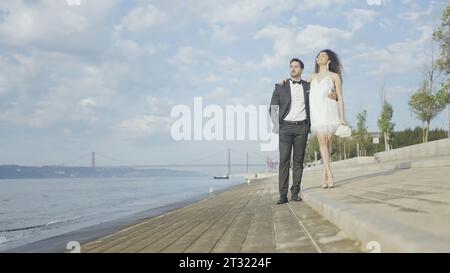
330 184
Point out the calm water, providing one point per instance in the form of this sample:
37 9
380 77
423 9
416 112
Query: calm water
35 209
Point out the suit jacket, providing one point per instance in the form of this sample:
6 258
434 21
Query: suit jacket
281 101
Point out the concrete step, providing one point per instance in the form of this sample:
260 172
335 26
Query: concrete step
399 210
429 162
384 233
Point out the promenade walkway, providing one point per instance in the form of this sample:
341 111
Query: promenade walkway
244 219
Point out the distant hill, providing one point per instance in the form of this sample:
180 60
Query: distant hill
16 171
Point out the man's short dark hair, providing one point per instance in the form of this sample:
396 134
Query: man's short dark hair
299 61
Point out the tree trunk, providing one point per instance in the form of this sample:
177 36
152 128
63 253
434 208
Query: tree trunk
385 142
423 131
345 152
428 130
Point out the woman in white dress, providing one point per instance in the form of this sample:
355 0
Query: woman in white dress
326 114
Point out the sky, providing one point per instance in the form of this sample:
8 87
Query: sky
78 76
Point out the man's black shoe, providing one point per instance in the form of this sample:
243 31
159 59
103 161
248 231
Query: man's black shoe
296 198
282 200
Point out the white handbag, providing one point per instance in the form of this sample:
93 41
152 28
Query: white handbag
343 131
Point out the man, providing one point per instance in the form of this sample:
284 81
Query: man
289 111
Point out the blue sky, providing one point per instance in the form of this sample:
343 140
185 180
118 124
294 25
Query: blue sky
104 75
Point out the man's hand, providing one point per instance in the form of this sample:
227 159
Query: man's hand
275 129
332 95
283 82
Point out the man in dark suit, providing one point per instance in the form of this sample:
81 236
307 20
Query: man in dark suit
289 111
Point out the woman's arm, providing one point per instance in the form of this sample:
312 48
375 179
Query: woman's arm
338 84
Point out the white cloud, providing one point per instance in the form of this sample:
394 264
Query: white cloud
23 24
132 50
187 55
397 58
3 85
396 91
218 94
206 79
142 18
359 17
159 106
415 16
288 42
50 23
144 125
129 48
88 103
67 132
228 19
223 34
239 12
212 78
67 90
230 65
320 4
245 12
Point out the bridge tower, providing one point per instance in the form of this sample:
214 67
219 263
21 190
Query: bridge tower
93 164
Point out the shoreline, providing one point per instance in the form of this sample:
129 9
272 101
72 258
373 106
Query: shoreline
57 244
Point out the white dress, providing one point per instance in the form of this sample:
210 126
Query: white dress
324 111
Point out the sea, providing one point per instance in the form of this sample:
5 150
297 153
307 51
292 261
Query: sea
36 209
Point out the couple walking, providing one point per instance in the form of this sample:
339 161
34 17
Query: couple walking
300 107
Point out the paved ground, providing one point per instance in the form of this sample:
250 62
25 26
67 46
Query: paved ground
405 210
245 219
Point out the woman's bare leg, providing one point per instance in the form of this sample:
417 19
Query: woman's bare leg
324 153
330 179
330 144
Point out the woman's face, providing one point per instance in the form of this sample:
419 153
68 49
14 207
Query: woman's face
322 58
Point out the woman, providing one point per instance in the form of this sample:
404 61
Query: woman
326 114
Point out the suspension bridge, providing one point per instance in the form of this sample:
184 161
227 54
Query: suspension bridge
231 158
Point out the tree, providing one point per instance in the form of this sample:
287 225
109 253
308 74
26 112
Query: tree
385 123
341 148
442 36
312 149
426 105
361 133
413 136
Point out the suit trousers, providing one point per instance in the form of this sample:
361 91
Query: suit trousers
292 137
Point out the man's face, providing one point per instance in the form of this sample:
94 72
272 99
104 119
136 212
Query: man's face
296 69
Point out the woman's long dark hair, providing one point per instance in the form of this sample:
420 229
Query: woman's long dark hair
335 64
